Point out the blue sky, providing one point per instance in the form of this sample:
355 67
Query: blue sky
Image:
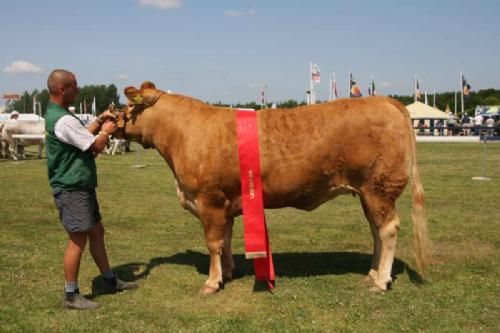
225 50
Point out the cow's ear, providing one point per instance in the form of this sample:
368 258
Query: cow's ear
134 96
148 85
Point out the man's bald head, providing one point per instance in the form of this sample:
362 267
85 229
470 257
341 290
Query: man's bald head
62 87
59 78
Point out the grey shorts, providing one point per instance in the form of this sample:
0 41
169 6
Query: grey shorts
78 210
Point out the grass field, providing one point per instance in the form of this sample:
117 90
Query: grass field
320 257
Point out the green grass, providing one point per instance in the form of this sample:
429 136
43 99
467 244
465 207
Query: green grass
320 257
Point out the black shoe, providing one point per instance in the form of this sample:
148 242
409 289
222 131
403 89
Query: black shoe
115 285
78 302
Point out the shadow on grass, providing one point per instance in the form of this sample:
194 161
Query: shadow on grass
295 264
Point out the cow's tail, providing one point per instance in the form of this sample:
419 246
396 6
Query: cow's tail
421 239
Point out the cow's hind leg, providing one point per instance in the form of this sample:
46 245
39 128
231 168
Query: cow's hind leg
227 253
213 221
373 273
384 223
388 234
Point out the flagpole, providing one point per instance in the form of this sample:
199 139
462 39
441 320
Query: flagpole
331 87
455 102
434 100
461 92
372 85
415 87
262 97
311 84
334 87
265 95
349 90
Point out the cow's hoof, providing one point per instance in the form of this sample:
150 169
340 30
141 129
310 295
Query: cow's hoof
208 290
381 287
368 279
227 276
376 290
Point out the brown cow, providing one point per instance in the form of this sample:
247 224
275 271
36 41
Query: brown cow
309 155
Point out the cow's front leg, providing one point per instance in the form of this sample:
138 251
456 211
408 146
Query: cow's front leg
227 253
13 152
20 152
213 224
40 149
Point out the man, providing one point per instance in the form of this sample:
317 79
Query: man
478 124
490 126
72 173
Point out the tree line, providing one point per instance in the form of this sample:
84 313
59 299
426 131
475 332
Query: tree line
443 101
447 100
104 95
107 94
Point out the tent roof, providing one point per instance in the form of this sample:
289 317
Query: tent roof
492 110
419 110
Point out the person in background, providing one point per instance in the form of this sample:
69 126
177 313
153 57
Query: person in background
466 125
440 127
14 115
71 149
478 124
490 126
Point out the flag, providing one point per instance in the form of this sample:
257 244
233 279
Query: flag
354 88
371 89
465 86
315 76
417 90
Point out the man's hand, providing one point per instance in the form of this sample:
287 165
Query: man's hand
109 126
106 115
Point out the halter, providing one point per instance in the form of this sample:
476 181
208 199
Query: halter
138 104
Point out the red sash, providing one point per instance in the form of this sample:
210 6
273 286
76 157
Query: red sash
254 221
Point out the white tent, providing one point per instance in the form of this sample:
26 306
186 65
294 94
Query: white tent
426 116
419 110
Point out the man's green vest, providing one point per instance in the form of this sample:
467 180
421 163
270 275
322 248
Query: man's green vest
69 168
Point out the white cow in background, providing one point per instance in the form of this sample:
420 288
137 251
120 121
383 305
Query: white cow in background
117 145
17 134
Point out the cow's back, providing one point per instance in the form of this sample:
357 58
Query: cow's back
22 127
311 154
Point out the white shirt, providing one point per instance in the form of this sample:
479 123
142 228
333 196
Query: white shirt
478 120
490 122
69 130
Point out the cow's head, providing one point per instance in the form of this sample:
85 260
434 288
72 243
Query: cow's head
138 100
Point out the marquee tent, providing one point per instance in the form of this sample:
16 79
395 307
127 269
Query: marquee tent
426 117
419 110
